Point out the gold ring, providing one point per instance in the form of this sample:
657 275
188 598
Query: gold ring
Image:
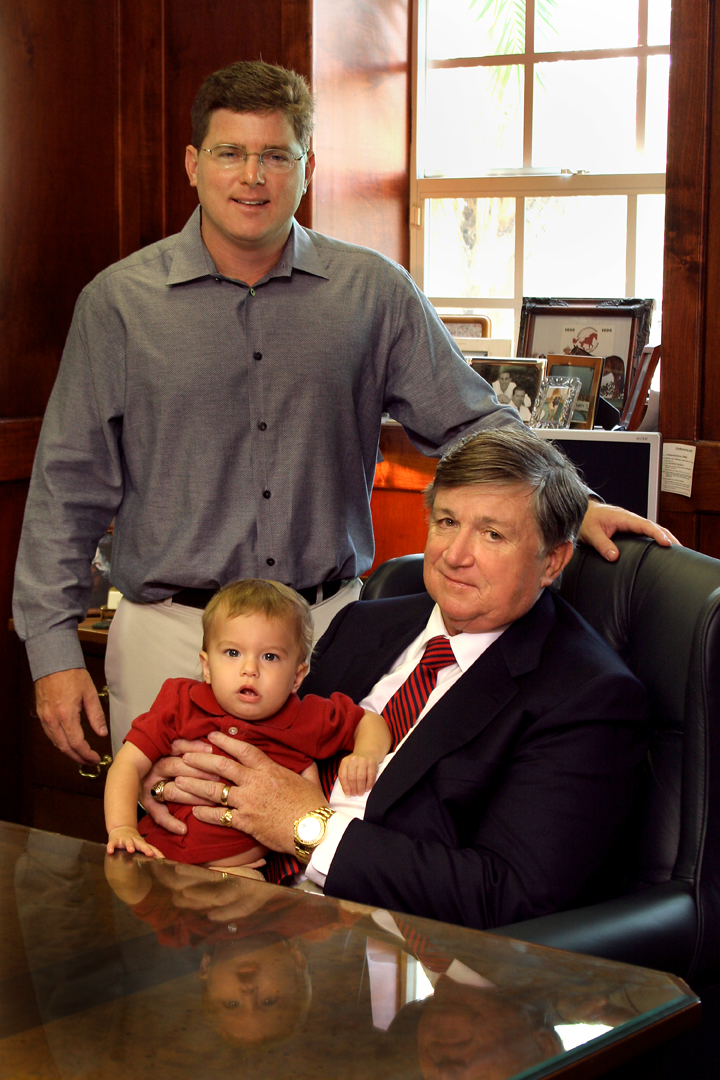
226 819
158 790
225 793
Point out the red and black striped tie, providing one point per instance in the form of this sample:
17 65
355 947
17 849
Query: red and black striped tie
406 704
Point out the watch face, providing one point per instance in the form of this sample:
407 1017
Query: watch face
310 829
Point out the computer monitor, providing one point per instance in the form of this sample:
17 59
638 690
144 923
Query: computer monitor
622 467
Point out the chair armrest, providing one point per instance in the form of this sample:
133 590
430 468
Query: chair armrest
655 927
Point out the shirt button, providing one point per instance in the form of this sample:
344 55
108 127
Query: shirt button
257 356
266 494
252 292
232 731
262 425
270 562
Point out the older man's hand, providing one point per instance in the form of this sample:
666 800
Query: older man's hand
265 798
602 522
168 769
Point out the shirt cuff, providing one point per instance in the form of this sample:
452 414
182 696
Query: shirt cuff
56 650
319 866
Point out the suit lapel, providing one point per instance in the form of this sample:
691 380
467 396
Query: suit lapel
467 708
381 630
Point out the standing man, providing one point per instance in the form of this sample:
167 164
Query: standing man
220 395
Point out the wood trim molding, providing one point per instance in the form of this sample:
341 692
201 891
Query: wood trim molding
18 442
686 218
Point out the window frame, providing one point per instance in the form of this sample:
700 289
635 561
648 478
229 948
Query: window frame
526 182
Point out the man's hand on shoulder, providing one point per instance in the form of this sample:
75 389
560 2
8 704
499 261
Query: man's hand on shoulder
601 522
59 699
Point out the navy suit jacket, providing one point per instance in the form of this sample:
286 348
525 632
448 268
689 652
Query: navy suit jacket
509 799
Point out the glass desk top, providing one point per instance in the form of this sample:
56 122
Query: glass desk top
122 968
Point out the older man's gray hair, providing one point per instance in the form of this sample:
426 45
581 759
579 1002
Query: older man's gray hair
512 457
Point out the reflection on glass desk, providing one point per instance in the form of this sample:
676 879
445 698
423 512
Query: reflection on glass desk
125 968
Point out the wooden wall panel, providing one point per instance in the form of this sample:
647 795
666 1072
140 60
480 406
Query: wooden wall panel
710 395
685 231
140 149
362 83
691 322
57 181
709 534
12 505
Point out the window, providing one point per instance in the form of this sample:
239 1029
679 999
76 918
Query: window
539 152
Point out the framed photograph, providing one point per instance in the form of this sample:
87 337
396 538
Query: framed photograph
468 326
515 382
613 382
639 388
555 402
617 328
588 369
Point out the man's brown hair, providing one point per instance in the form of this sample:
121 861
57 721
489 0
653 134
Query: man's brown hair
254 86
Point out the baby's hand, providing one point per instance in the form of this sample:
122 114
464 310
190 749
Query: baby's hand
357 773
127 837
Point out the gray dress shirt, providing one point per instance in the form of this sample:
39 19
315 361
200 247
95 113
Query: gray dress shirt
231 431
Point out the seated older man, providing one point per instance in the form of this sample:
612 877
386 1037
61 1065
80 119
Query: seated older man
518 733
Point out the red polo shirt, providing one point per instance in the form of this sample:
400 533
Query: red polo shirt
301 732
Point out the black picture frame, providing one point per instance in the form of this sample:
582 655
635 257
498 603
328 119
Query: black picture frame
544 322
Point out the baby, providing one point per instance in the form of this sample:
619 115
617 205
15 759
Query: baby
257 641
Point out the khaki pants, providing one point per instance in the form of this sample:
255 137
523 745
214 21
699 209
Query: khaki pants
149 643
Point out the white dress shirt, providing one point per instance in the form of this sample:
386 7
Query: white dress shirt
466 648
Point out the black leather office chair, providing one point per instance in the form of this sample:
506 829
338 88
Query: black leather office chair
660 609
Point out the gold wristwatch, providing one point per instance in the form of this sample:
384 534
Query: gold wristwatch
309 830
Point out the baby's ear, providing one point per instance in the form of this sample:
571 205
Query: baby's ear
300 673
205 667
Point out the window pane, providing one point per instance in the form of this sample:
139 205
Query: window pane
649 256
656 113
473 121
575 246
658 22
585 24
584 115
470 247
460 28
503 324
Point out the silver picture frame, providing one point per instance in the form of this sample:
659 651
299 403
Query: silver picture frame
555 402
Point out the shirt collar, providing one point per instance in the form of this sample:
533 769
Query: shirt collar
466 647
191 260
201 694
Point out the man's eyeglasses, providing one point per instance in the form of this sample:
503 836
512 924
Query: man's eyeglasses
233 157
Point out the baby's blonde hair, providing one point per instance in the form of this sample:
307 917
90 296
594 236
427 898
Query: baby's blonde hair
253 596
